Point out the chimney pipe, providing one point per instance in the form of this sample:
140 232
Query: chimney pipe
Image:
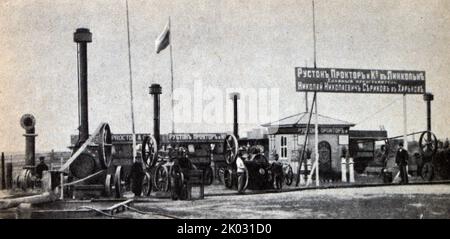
28 122
155 90
235 97
82 36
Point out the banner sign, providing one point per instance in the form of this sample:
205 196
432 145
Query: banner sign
302 130
359 81
116 138
197 137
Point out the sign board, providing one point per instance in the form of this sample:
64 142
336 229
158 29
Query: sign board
116 138
359 81
197 137
302 130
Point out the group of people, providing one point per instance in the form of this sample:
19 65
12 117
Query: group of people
276 168
180 163
440 161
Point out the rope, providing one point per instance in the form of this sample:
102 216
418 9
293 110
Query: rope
150 213
103 213
83 179
131 84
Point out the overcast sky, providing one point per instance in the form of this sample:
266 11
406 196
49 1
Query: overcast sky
226 44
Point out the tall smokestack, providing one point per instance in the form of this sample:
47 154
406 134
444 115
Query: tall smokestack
155 90
82 36
28 122
235 97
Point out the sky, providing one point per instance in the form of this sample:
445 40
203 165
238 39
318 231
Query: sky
222 44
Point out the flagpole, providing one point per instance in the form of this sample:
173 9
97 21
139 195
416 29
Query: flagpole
131 85
171 76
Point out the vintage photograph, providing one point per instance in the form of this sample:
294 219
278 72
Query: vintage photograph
214 109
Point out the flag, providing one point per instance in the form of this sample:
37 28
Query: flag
163 39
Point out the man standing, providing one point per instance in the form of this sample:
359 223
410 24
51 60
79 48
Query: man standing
41 167
137 173
277 168
240 169
401 159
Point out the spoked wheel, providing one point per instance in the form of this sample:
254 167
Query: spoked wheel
289 177
228 178
428 144
105 146
119 182
147 185
149 151
427 171
231 148
108 185
161 178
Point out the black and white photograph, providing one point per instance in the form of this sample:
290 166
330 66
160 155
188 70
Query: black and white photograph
215 109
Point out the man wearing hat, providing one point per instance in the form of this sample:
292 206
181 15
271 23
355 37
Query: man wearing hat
240 168
41 167
401 159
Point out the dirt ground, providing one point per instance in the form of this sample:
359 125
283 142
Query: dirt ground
409 201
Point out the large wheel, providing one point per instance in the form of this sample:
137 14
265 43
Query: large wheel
161 178
149 151
231 148
119 182
147 185
428 144
105 146
427 171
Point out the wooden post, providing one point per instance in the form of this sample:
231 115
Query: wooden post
405 128
316 134
8 175
3 179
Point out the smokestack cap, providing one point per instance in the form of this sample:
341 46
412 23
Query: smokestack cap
238 96
428 96
82 35
155 89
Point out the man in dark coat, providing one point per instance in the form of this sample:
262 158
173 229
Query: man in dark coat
277 168
137 173
41 167
401 159
181 164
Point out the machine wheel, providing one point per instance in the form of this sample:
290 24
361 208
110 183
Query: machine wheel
149 151
289 177
161 178
428 148
119 182
147 185
25 180
105 146
108 185
427 171
231 148
208 176
228 178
